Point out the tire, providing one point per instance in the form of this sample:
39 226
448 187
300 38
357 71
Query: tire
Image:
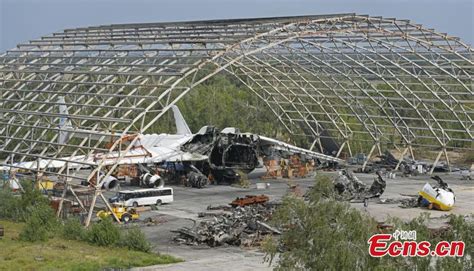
135 204
158 202
126 218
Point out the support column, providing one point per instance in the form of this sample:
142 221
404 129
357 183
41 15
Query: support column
436 161
63 195
312 145
340 149
91 209
368 156
447 159
410 148
77 198
109 207
401 158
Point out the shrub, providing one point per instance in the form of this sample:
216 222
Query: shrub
326 234
134 239
41 224
18 207
73 230
104 233
10 206
323 188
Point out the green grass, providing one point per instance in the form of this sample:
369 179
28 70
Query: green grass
60 254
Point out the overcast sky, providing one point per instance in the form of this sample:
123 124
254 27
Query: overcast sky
23 20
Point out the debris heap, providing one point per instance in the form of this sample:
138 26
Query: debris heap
348 187
239 226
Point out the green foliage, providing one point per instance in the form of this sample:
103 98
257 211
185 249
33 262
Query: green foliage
325 234
73 230
32 196
104 233
18 207
223 101
322 188
9 206
41 224
134 239
58 254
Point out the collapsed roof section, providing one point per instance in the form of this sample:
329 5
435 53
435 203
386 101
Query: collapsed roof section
360 78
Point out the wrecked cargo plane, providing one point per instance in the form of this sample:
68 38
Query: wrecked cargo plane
213 152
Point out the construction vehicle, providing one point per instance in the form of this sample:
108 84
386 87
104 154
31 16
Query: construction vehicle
123 213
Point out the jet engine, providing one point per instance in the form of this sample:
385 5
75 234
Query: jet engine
110 183
151 180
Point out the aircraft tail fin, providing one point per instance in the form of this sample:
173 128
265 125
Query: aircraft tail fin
64 121
182 127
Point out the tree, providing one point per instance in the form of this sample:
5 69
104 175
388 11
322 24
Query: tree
321 233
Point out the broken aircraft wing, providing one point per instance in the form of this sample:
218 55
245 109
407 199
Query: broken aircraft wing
280 145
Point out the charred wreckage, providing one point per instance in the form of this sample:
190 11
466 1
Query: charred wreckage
228 153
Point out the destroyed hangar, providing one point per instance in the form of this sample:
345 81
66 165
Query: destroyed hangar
345 77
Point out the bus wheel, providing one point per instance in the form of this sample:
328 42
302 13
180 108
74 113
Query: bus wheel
135 204
158 202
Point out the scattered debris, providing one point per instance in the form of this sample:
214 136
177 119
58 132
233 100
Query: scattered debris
467 175
348 187
439 197
384 228
262 186
249 200
211 214
268 227
242 226
358 159
410 202
295 189
273 169
155 220
219 207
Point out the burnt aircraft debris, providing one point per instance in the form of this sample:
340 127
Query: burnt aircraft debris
408 202
438 197
196 179
348 187
239 226
407 165
230 151
249 200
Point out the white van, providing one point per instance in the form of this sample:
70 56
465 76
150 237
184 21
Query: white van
142 197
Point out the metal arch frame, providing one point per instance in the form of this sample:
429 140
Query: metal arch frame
120 79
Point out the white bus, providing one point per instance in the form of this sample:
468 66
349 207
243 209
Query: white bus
142 197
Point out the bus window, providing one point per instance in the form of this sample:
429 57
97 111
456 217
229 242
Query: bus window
166 192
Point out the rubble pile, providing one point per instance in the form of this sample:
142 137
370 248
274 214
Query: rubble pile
409 202
387 159
239 226
349 187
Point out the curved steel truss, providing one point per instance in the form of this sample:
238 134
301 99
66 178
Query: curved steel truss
356 77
